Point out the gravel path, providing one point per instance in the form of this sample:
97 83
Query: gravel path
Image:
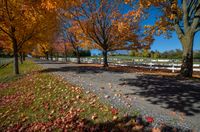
176 102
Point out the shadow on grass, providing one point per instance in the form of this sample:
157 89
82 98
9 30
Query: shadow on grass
88 68
171 93
80 69
76 69
181 95
75 123
49 62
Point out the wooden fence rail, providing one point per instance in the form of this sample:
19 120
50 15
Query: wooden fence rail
169 64
5 61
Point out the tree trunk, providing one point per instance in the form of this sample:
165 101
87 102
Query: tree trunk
16 64
78 58
47 55
105 58
21 57
51 56
24 56
57 56
65 53
187 58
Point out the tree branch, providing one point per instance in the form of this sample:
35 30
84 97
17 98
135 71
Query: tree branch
7 11
196 19
198 29
185 15
192 7
5 32
24 39
179 31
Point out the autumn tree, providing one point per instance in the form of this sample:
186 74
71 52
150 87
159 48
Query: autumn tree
21 21
5 44
183 16
44 44
25 49
74 43
107 29
63 42
145 53
43 48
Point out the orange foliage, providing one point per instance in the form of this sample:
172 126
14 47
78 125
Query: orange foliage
104 27
22 21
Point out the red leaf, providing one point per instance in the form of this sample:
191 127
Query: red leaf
149 119
114 111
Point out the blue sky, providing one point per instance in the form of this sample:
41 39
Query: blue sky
161 43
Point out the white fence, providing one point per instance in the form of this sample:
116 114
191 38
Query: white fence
4 61
168 64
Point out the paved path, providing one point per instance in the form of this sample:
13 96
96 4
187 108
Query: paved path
166 99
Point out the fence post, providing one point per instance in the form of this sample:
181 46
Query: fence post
173 66
151 66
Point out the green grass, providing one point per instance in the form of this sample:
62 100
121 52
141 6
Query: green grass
39 101
7 73
41 97
4 61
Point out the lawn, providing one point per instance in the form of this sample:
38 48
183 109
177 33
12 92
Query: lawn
7 74
41 101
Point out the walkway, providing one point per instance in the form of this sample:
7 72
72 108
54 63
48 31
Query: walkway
166 99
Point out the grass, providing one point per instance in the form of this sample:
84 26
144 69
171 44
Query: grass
7 74
4 61
37 97
39 101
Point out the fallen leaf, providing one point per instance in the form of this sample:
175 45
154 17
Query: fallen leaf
94 116
114 111
115 118
156 130
107 96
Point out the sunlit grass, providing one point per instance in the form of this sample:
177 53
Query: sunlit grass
7 73
42 97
